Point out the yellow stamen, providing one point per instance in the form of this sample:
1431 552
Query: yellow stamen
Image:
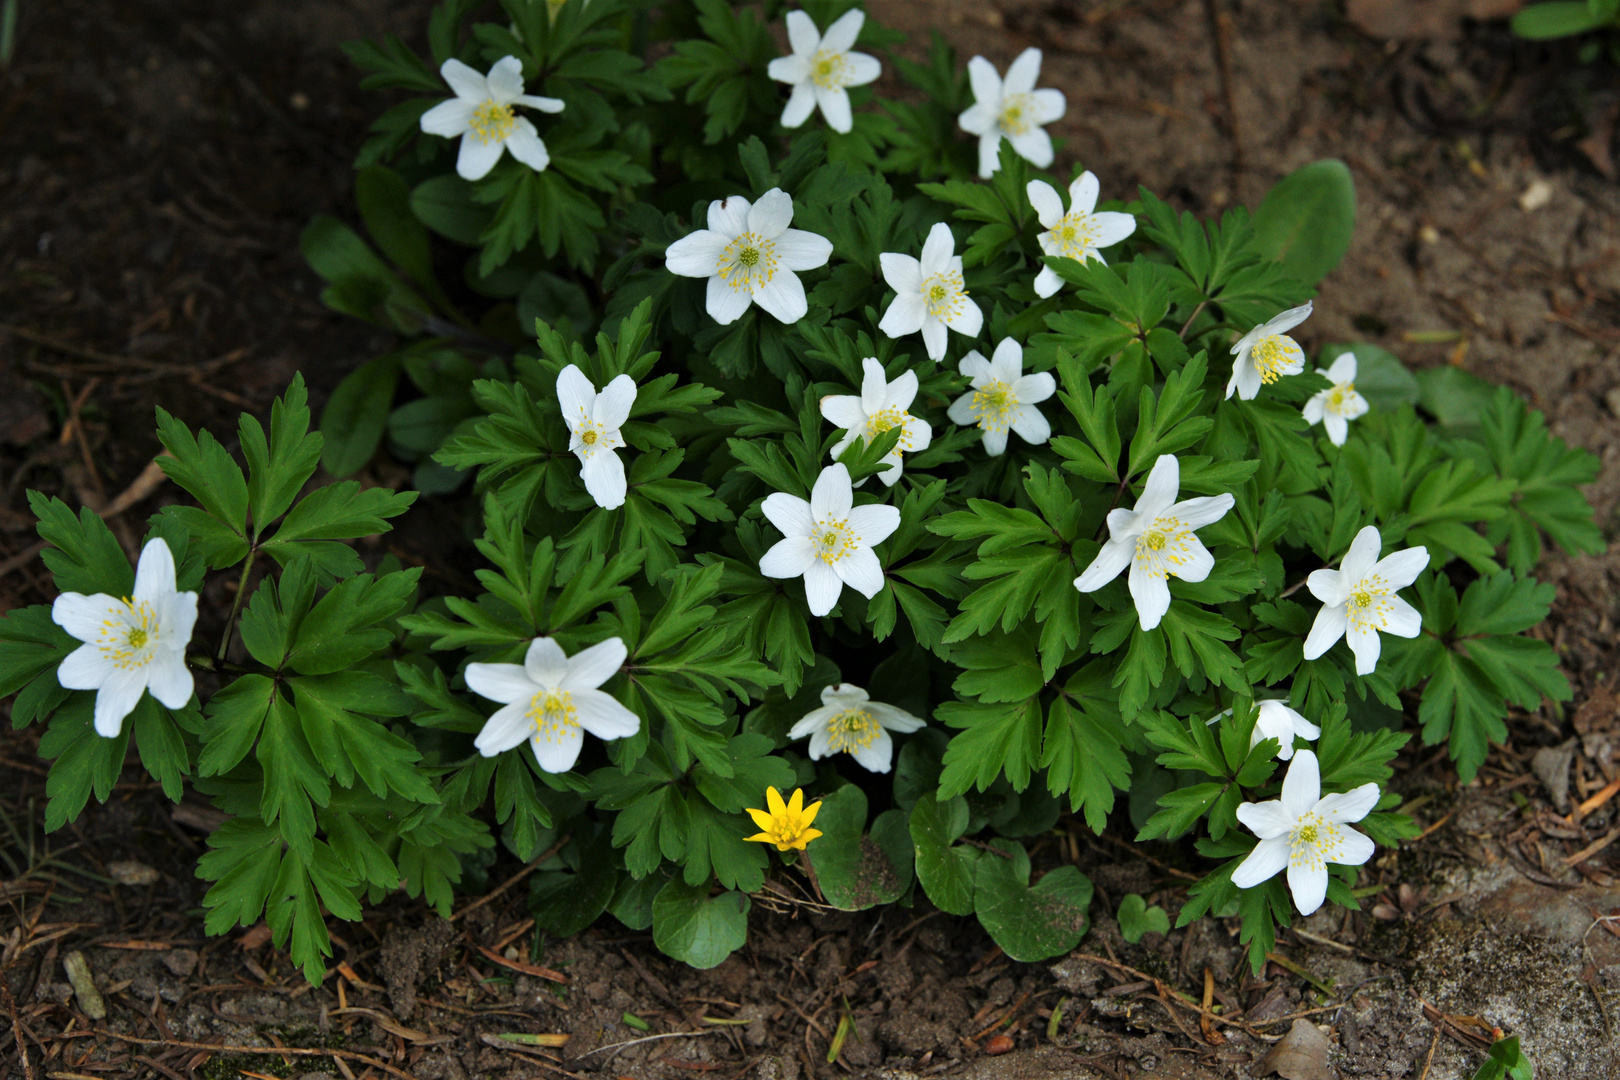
829 70
787 825
1271 354
994 403
553 716
851 730
834 540
491 122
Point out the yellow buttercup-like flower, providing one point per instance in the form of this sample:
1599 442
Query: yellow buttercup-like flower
787 825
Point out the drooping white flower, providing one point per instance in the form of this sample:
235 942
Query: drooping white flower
1003 398
1277 721
749 255
929 294
1339 404
828 541
1304 831
1077 234
1265 354
131 645
880 407
821 67
1358 599
593 422
482 114
551 699
1011 108
850 722
1156 540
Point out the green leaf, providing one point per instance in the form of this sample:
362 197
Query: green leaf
1558 19
1137 919
204 468
563 904
340 511
385 206
691 926
235 714
445 205
293 779
356 415
82 762
1454 397
1082 749
280 466
31 647
1306 221
997 739
1030 924
945 872
343 627
243 860
1506 1059
854 870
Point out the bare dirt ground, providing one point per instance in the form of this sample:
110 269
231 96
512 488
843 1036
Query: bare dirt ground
157 161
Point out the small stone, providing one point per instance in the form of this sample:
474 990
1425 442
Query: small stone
130 872
1537 195
180 962
998 1044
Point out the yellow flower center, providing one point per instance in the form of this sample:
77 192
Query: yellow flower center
492 121
137 638
885 420
994 404
1165 547
1155 540
127 633
553 716
1368 604
748 256
833 540
1307 834
1271 354
588 437
944 295
748 262
1361 598
851 730
829 70
1016 113
1314 841
1076 235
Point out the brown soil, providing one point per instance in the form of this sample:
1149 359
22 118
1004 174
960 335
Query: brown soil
157 162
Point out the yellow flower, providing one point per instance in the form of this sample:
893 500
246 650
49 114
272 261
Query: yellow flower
787 825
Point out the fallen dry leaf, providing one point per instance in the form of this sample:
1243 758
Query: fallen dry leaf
1414 20
1302 1055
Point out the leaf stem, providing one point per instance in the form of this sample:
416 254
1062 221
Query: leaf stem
236 605
1197 311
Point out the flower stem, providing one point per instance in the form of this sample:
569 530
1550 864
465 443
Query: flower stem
810 872
236 605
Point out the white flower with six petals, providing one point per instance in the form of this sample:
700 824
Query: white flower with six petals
481 114
850 722
1011 108
929 294
593 423
550 700
131 645
822 67
1077 234
880 407
828 541
1156 540
1304 831
1339 404
750 256
1358 599
1003 398
1265 354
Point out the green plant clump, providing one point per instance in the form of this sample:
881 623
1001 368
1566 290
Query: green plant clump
754 514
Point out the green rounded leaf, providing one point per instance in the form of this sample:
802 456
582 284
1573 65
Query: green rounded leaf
1306 221
695 928
855 871
356 414
445 205
563 904
1030 924
946 872
1541 22
1454 397
1137 919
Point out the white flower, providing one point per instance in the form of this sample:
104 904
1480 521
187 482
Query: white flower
551 700
821 67
482 114
1003 398
881 406
1077 234
594 420
1358 599
1304 832
749 255
1156 540
1277 721
929 295
130 645
850 722
1011 108
828 540
1339 404
1265 354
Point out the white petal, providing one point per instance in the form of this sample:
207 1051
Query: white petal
1044 198
1353 849
1266 820
558 754
169 680
1246 377
117 698
697 254
1031 426
789 513
861 571
603 716
475 158
843 411
783 297
85 668
725 304
1314 409
82 615
874 523
840 36
841 696
1196 564
816 719
788 558
546 663
614 403
800 250
1196 513
933 335
894 719
1112 227
1350 806
1007 362
1329 586
1114 557
834 102
989 153
1308 883
795 71
575 396
1365 644
1403 567
1286 321
918 431
1034 146
995 442
875 386
967 321
1337 428
1326 631
449 118
177 616
1083 193
903 274
1036 388
603 474
1263 863
818 744
772 214
544 104
506 79
821 587
729 216
506 728
154 571
525 144
1047 283
1163 484
504 683
464 81
978 120
1151 595
590 668
961 411
1302 785
906 315
937 250
803 36
1049 105
986 83
1403 619
1343 369
1362 556
876 755
1022 73
862 69
832 497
